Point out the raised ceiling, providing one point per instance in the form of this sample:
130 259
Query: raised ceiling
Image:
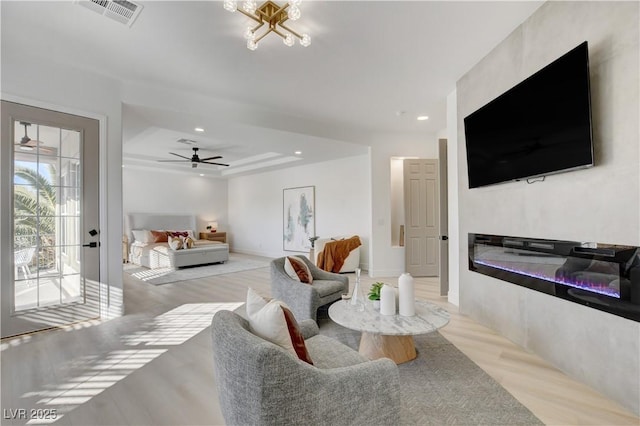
372 68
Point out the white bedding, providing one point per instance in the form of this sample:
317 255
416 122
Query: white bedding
155 255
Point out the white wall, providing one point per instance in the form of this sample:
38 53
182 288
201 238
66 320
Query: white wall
601 204
160 192
56 86
342 200
455 247
387 259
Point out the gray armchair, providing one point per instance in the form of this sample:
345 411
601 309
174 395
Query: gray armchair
260 383
304 299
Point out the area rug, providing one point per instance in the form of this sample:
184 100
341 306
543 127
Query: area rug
161 276
442 386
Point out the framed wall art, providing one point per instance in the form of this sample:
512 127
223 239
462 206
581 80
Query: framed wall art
299 218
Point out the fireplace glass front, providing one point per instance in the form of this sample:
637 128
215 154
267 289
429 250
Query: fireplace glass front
601 276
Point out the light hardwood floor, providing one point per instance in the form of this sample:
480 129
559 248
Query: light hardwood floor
153 366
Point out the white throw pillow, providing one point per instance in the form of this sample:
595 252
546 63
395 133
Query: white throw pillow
142 235
273 321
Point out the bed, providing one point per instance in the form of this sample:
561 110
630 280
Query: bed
145 252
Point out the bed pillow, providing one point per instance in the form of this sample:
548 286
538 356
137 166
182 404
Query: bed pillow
176 243
274 321
142 235
298 270
182 233
160 236
188 243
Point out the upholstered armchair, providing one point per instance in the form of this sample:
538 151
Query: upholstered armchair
305 299
260 383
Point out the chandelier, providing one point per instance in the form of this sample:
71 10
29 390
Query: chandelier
272 15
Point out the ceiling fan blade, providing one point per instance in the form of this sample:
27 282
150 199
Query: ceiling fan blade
217 164
211 158
181 156
172 161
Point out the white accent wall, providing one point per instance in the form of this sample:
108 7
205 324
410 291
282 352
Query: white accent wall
600 204
162 192
342 205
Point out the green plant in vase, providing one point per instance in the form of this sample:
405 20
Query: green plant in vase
374 294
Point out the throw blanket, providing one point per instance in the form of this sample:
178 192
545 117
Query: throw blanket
335 252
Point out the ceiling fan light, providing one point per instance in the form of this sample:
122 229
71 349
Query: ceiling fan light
294 13
305 40
250 6
230 5
289 40
194 165
252 45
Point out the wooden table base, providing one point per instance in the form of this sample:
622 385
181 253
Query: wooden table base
399 348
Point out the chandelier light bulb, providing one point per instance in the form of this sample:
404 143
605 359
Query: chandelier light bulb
230 5
250 6
294 13
249 34
252 45
306 40
289 40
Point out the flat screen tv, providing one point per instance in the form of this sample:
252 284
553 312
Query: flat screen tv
539 127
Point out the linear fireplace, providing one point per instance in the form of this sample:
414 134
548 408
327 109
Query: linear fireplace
601 276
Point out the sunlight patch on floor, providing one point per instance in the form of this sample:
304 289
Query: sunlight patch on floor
99 372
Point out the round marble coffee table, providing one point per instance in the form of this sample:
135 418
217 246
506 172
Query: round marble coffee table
388 336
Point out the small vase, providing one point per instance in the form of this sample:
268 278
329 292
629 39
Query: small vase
407 298
387 300
376 305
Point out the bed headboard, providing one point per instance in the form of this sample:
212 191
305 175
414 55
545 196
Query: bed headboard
161 221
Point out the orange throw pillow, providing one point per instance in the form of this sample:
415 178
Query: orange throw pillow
298 270
160 236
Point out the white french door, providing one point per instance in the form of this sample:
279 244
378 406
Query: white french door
49 218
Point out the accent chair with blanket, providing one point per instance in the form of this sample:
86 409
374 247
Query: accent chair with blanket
305 296
338 254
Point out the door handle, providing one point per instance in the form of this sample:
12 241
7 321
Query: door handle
444 237
92 244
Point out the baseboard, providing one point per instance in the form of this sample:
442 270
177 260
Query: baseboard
453 297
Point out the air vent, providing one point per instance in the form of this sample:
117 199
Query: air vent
122 11
186 141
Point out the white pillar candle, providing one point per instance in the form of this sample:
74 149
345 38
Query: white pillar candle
407 296
387 300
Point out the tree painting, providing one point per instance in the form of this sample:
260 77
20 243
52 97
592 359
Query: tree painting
298 218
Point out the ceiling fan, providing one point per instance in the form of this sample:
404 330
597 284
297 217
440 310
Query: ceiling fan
28 144
195 160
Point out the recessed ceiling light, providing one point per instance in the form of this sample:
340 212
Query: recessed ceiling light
199 129
423 117
201 174
298 152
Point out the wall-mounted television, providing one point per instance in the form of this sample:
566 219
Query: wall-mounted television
539 127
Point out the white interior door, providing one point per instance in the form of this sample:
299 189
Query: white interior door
49 219
422 217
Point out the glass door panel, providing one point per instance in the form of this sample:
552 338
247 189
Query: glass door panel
47 188
49 219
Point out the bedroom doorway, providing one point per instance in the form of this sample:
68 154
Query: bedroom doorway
49 221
